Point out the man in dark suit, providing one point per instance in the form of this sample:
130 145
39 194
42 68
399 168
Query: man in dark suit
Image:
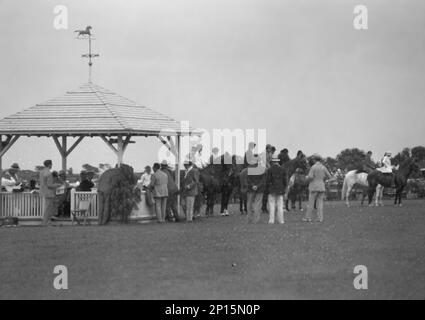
190 189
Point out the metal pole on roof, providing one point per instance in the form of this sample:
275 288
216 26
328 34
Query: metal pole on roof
88 35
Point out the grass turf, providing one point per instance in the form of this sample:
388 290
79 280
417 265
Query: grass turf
224 257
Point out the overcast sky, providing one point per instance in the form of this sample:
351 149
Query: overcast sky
296 68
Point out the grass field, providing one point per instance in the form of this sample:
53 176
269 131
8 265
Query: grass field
224 257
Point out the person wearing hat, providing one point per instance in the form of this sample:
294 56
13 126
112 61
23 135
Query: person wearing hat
249 157
63 195
276 182
171 208
11 179
214 157
295 188
190 189
85 183
158 185
256 182
386 167
198 160
283 157
145 179
316 177
48 188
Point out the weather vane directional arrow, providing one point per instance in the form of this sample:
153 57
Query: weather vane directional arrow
87 35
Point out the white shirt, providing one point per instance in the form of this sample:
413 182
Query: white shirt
386 165
199 161
145 180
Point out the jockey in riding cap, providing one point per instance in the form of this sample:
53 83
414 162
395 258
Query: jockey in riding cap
198 161
386 163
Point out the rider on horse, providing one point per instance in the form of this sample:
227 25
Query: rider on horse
386 167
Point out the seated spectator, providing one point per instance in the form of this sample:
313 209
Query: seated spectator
85 184
145 179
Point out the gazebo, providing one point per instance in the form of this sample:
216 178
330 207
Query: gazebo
92 111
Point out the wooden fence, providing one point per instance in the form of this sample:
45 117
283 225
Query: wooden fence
25 205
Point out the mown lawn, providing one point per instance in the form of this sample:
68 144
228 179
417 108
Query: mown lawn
224 258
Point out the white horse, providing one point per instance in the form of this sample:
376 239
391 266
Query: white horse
350 179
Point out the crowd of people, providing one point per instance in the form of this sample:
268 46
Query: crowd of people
265 184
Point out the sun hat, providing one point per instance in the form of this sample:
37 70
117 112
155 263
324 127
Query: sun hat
15 166
317 157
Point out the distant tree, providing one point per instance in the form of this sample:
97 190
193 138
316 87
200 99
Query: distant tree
419 153
350 159
401 156
39 168
331 164
91 168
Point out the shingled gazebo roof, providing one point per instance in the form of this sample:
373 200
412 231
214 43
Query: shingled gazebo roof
89 110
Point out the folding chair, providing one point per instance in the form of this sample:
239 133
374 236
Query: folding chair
81 212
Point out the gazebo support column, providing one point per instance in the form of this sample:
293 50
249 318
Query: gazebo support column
174 148
119 150
177 177
63 148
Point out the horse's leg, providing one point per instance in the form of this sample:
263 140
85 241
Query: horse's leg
381 195
300 202
347 194
228 194
378 192
286 204
240 203
397 197
371 191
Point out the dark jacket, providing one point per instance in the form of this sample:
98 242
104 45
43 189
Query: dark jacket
190 183
276 180
172 186
85 186
258 180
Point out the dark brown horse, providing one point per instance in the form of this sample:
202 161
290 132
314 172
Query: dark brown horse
398 179
300 185
218 178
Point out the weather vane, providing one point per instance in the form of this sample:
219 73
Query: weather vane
87 35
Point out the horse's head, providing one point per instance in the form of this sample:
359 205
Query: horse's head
409 166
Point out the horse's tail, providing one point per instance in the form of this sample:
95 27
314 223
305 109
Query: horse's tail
344 189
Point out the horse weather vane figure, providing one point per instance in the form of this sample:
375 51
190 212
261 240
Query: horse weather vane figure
87 35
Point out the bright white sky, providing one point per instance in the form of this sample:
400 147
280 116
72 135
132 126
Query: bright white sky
296 68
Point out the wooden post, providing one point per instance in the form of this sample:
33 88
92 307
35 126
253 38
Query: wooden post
62 148
1 172
1 157
4 147
178 148
120 150
64 155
